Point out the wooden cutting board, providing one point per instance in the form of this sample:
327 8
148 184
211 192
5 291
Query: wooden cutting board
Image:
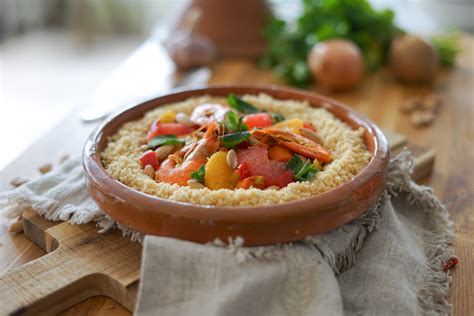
81 263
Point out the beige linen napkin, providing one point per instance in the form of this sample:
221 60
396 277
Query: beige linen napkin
389 261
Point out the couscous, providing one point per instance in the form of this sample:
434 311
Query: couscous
235 151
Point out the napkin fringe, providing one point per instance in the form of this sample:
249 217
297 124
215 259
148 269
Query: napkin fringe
340 262
433 295
14 203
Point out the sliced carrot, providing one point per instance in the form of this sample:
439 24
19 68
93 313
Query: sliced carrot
279 153
254 181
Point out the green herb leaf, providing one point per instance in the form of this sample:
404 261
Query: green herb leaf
231 121
294 164
234 123
232 140
277 118
240 105
198 175
301 171
447 46
165 140
307 172
243 127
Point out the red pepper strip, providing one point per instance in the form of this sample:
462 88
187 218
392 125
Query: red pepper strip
258 120
452 261
244 171
177 129
150 158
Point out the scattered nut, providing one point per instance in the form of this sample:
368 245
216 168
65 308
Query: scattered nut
422 118
183 119
232 159
273 187
45 168
316 164
431 102
164 151
16 182
411 105
193 184
422 110
144 147
149 171
311 135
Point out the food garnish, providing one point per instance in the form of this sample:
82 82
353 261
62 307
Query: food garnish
240 105
232 146
302 171
232 140
149 158
165 140
198 175
234 123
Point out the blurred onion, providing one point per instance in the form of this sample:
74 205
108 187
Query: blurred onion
336 64
413 59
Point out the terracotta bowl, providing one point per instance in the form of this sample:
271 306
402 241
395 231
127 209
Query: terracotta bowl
258 225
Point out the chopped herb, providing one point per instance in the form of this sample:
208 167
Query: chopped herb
301 171
240 105
198 175
307 172
234 123
232 140
447 45
294 164
277 117
165 140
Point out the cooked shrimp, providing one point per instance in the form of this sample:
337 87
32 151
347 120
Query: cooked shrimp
208 112
294 142
172 172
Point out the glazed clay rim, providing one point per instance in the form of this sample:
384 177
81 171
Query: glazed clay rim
376 167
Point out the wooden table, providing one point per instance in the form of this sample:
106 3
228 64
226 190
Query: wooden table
379 98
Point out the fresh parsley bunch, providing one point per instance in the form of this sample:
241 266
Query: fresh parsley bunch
355 20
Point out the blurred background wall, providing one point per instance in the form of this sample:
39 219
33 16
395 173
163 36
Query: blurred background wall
89 18
86 18
54 53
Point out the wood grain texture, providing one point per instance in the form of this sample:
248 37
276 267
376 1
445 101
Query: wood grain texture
379 97
80 263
